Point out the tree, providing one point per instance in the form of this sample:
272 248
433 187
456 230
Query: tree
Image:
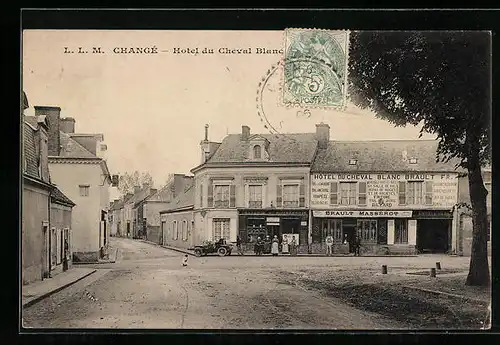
128 181
440 79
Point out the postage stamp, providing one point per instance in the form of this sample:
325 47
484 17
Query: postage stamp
315 68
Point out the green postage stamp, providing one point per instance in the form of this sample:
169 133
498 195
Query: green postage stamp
315 68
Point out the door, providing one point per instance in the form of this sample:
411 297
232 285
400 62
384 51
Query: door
45 252
162 229
191 234
349 235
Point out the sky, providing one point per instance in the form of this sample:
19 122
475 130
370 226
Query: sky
152 108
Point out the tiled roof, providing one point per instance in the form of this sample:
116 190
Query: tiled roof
57 195
289 148
185 199
31 120
380 156
29 149
71 148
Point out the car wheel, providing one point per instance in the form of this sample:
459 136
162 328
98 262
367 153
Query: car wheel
222 251
198 252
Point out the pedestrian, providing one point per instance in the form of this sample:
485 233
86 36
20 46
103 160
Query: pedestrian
258 246
185 260
238 245
357 245
329 244
284 245
293 247
267 245
275 246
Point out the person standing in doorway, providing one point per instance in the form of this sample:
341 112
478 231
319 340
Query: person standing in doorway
284 245
275 246
357 245
329 244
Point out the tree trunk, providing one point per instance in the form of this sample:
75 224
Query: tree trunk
479 273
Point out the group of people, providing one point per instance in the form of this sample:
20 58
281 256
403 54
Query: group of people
354 245
268 246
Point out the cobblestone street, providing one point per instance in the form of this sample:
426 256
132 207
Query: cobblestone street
148 288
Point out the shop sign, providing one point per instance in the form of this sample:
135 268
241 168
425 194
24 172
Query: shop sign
382 190
273 220
364 214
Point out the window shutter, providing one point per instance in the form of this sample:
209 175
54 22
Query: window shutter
243 228
428 193
279 194
302 196
402 193
362 193
201 195
334 193
210 194
232 195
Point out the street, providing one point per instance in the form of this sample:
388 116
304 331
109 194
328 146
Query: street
148 288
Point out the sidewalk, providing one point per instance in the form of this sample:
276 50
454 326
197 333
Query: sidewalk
39 290
249 253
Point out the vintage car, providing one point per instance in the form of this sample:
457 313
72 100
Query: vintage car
222 249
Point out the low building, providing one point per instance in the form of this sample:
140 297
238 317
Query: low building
35 229
391 193
60 226
78 166
159 201
177 222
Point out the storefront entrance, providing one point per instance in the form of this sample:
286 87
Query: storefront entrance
433 235
349 235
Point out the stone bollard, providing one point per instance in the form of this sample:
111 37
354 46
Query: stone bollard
433 272
438 265
384 269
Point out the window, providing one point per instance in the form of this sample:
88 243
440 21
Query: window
414 192
413 161
257 152
331 227
348 193
367 230
428 192
175 231
290 195
334 193
402 193
353 161
362 193
220 229
221 196
401 231
184 231
201 195
84 190
255 196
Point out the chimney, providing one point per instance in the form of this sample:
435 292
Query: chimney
54 116
67 125
205 146
245 133
137 189
206 132
323 135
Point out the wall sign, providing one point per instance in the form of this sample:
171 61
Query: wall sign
364 214
382 189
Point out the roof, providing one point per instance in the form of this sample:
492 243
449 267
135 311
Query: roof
32 120
380 155
59 196
184 200
289 148
167 192
72 149
29 147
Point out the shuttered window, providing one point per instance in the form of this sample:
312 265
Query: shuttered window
362 193
279 195
428 192
334 193
402 193
210 194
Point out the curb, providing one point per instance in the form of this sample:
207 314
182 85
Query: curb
434 292
171 248
43 296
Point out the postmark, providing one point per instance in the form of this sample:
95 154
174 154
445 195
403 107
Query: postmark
315 68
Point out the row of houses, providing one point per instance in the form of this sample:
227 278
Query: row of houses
393 194
65 194
137 214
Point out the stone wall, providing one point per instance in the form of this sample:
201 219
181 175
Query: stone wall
85 257
153 234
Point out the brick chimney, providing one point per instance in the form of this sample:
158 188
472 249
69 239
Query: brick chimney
322 135
54 118
67 125
245 133
205 146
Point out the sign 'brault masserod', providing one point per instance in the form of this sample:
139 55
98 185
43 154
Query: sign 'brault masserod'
382 190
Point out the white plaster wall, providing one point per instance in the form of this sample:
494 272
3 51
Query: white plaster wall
86 214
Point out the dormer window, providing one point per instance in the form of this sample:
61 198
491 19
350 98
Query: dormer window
413 161
257 152
353 161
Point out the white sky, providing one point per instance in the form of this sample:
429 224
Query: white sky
152 108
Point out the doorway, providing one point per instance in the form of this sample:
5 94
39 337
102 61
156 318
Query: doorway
349 235
433 235
45 252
